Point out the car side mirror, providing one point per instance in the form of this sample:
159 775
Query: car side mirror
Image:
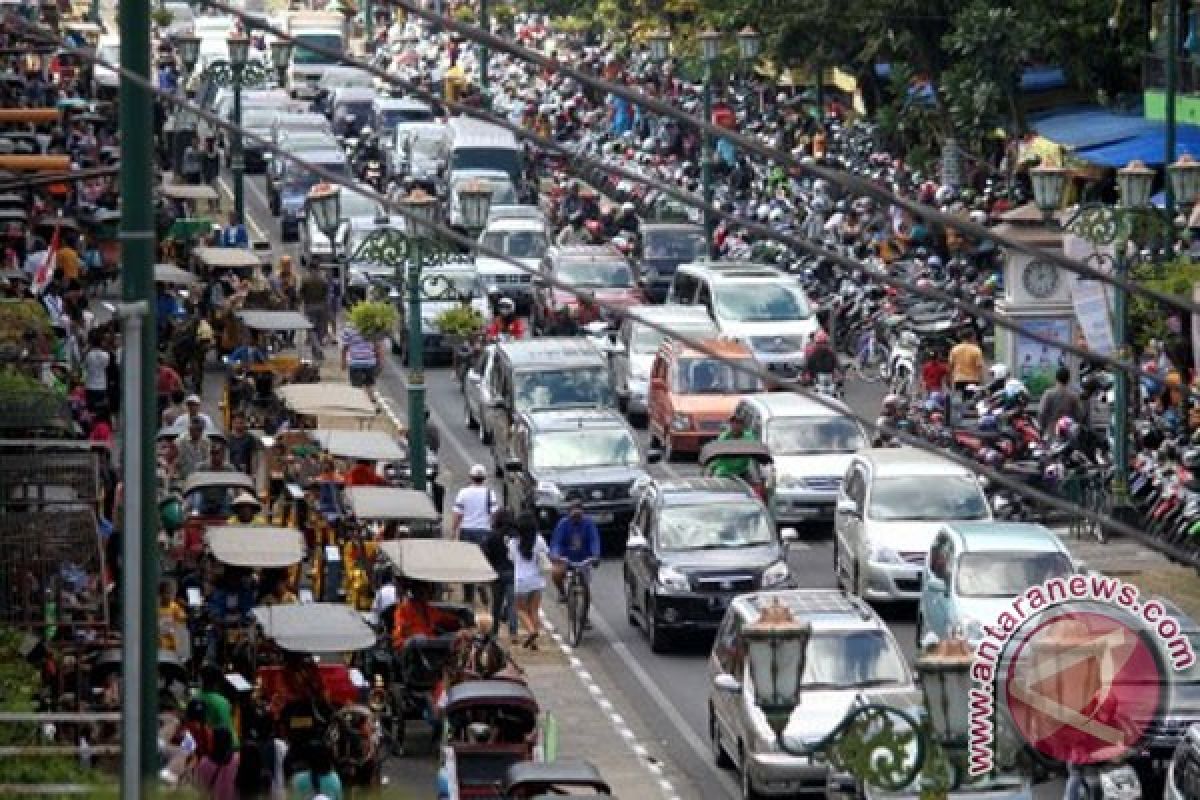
636 542
725 682
654 455
848 508
513 465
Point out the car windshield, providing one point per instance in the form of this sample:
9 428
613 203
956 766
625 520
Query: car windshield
258 118
517 244
503 193
360 111
927 497
596 448
442 286
595 274
328 41
710 376
305 180
394 116
676 246
647 339
850 659
565 387
302 142
991 574
358 205
713 527
803 435
760 302
428 147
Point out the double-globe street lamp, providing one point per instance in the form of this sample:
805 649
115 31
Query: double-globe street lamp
420 210
1136 220
749 45
880 746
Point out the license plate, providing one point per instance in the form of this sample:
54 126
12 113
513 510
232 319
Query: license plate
603 517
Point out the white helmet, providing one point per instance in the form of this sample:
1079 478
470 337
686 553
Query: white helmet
506 304
366 131
776 214
764 212
998 372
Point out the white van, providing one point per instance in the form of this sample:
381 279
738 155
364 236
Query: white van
757 305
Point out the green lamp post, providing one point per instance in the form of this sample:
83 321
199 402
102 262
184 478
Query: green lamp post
239 54
710 49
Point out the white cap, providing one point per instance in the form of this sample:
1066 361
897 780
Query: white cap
192 398
479 471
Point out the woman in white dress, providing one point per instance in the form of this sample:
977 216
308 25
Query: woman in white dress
528 552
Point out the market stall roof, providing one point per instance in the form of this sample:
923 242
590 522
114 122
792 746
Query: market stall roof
327 399
315 627
256 546
274 320
371 445
438 560
1089 126
176 276
388 502
1148 147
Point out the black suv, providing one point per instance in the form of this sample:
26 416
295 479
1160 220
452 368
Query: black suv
693 546
562 455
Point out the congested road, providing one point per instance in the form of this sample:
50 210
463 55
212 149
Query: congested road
668 689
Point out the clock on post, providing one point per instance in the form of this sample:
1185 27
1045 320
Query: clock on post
1040 279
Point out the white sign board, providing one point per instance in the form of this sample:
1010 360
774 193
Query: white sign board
1093 312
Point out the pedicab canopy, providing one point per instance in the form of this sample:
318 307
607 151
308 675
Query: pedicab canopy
226 258
470 696
211 480
173 275
189 192
438 560
368 445
327 399
315 628
530 779
274 320
384 503
256 546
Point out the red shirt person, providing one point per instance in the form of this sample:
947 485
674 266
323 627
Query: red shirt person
363 474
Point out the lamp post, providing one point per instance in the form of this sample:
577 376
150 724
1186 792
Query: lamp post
325 204
281 56
749 45
1049 183
239 53
420 212
776 645
710 49
485 22
660 44
189 51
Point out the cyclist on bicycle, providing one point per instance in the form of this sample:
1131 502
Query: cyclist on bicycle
574 543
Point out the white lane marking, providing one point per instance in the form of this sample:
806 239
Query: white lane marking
689 737
652 764
225 187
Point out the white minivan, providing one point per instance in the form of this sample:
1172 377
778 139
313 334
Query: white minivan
756 305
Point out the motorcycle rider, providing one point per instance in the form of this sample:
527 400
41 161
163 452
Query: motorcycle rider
574 233
506 322
820 358
368 150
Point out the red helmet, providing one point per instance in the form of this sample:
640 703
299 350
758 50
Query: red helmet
820 337
594 227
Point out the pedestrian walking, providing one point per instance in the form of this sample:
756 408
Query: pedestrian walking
530 556
1061 401
360 357
475 507
966 364
495 549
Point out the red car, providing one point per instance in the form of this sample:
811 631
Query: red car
600 270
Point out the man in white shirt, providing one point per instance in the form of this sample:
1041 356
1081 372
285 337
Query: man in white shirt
471 518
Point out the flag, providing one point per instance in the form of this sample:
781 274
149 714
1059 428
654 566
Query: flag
45 272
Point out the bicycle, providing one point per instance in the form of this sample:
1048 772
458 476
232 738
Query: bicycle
579 599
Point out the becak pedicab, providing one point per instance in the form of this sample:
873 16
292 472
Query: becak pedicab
529 780
319 699
268 357
245 562
490 726
207 500
425 630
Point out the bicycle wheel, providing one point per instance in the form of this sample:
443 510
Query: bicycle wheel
576 612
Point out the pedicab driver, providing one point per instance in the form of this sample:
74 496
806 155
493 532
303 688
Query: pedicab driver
417 617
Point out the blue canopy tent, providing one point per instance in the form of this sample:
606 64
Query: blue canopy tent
1148 147
1090 127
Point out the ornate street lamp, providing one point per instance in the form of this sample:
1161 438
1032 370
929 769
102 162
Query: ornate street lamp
1185 179
776 644
945 671
1049 183
1134 183
239 54
281 57
420 215
710 45
749 43
189 51
660 44
475 200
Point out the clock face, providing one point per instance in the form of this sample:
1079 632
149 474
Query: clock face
1040 279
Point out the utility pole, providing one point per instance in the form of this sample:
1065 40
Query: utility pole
1172 76
139 530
